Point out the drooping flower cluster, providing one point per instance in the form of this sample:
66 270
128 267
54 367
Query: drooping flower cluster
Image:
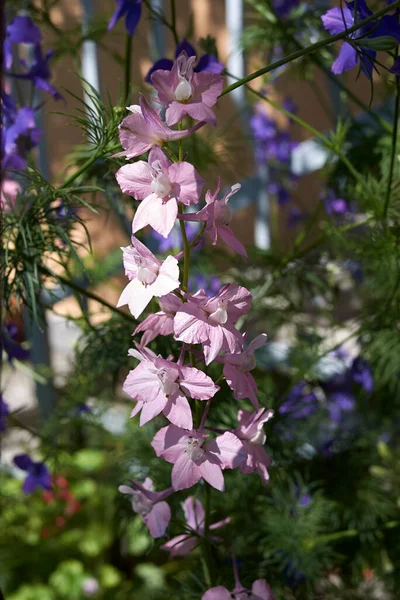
205 323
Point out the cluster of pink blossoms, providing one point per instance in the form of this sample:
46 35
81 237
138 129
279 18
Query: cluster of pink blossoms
206 326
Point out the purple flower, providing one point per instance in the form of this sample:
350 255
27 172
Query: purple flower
207 62
39 72
210 284
336 207
337 20
361 373
9 343
131 10
38 474
301 402
4 412
341 401
20 135
283 7
22 30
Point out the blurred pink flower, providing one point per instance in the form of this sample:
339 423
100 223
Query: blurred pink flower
160 185
237 371
217 215
9 192
194 515
251 434
193 459
260 590
144 129
184 92
148 276
210 321
155 513
160 385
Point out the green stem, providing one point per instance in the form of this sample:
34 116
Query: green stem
173 24
208 558
67 182
127 73
304 51
394 148
197 236
186 252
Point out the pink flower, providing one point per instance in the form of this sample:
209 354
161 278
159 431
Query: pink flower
9 192
160 385
237 371
160 185
144 129
210 321
159 323
155 513
148 277
260 590
194 514
184 92
251 433
217 216
193 459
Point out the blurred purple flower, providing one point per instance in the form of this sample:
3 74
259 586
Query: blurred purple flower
22 30
207 62
283 7
301 402
131 10
4 412
337 207
361 373
39 72
209 283
9 343
19 135
38 474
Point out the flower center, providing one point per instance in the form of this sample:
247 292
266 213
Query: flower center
140 504
161 184
147 271
184 90
193 448
168 383
219 316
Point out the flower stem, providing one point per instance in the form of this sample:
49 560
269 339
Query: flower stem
127 74
304 51
206 546
173 24
394 147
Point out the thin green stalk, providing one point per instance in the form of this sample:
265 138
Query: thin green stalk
394 148
173 24
206 542
304 51
127 66
186 252
67 182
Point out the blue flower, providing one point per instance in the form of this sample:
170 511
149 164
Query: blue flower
4 412
39 72
207 62
338 20
301 402
38 474
131 10
361 373
22 30
9 343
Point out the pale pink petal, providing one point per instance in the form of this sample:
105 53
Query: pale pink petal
242 384
136 409
142 383
194 512
217 593
169 442
170 303
197 384
262 461
188 182
209 85
168 277
211 472
152 409
135 179
135 135
175 113
126 489
156 212
185 473
157 154
229 238
233 341
258 342
200 112
261 591
136 296
189 324
143 251
238 298
213 345
180 545
221 523
164 83
178 412
158 518
228 449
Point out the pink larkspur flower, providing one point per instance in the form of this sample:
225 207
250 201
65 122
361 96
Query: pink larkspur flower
184 92
251 433
148 276
160 385
144 129
217 215
237 371
193 458
210 321
260 590
160 185
9 192
195 518
153 511
161 322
